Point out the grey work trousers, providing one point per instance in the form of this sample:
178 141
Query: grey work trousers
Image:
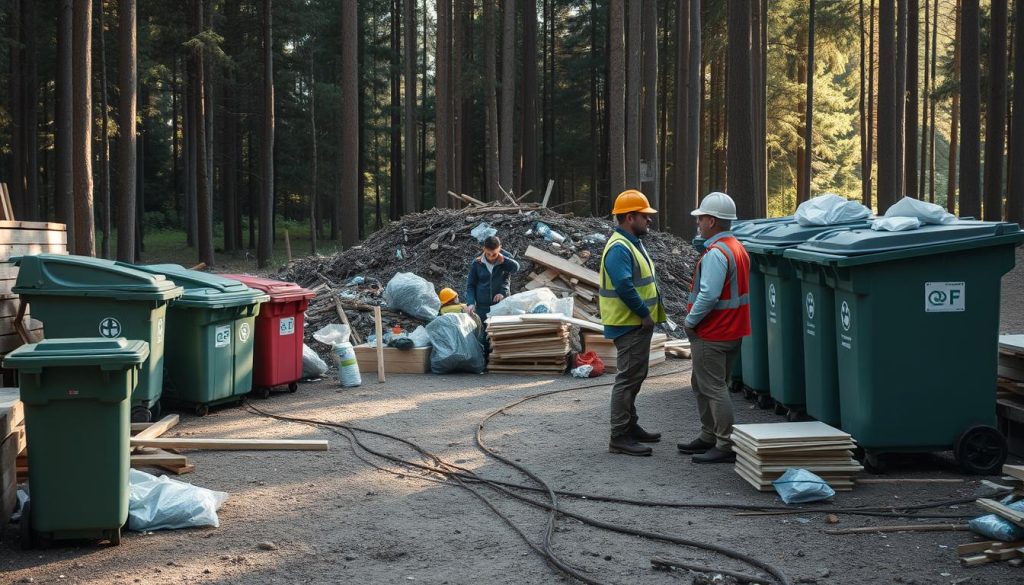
632 362
710 379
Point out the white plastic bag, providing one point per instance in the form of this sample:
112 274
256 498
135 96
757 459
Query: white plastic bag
582 371
312 365
928 213
420 337
829 209
159 503
895 224
332 334
529 301
457 347
413 295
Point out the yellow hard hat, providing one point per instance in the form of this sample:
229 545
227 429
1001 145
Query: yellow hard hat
632 200
446 295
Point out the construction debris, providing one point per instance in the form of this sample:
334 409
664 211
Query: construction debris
524 345
605 349
765 451
1010 392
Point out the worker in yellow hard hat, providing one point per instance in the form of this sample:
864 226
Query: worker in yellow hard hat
450 304
630 308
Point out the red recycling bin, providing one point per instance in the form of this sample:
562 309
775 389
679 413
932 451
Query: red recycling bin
279 332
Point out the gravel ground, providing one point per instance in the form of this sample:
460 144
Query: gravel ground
327 517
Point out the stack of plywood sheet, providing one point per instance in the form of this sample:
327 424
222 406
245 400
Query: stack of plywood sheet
396 361
525 346
12 443
566 278
605 349
1010 392
765 451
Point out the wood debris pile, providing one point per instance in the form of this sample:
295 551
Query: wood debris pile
973 554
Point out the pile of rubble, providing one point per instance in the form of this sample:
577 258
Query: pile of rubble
437 245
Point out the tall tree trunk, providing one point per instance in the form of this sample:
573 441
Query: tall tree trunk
869 158
954 115
913 13
508 89
63 196
865 186
695 97
457 104
759 48
348 201
422 202
677 215
901 93
410 189
970 110
204 203
30 136
809 103
396 113
315 158
634 73
16 182
922 177
741 171
85 233
649 124
491 98
442 96
528 170
266 243
1015 186
140 183
888 137
127 87
617 97
104 138
995 117
934 103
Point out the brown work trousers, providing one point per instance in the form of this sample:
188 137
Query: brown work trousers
632 362
710 379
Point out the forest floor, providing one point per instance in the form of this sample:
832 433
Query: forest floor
328 517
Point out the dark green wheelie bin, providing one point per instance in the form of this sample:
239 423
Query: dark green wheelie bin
79 296
77 394
784 306
917 321
211 336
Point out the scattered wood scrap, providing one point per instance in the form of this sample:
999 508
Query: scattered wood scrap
901 528
974 554
566 278
233 444
605 349
765 451
679 348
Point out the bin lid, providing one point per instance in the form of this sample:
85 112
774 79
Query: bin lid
205 290
279 291
863 246
773 238
747 228
78 351
84 276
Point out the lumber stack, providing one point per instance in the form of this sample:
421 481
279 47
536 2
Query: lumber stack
605 349
566 278
973 554
12 443
524 346
765 451
1010 392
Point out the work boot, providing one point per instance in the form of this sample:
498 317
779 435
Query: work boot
638 434
715 455
695 446
627 445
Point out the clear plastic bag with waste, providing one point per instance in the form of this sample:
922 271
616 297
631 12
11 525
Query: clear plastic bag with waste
456 344
797 486
413 295
336 336
161 503
928 213
312 365
992 526
829 209
529 301
895 224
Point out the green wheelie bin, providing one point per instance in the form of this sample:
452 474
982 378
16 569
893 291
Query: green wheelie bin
210 338
79 296
77 395
784 306
917 321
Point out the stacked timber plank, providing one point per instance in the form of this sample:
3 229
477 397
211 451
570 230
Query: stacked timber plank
566 278
525 346
12 443
765 451
980 553
396 361
605 349
1010 391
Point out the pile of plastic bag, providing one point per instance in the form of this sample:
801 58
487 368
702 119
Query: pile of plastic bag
909 214
161 503
829 209
412 295
540 300
457 346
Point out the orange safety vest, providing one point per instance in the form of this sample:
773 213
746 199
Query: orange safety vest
730 318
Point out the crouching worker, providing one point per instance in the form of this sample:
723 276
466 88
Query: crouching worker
450 304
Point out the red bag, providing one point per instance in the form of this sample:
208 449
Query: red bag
590 359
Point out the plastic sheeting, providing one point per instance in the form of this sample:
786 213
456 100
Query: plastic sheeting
529 302
992 526
830 209
413 295
161 503
312 365
798 486
895 224
928 213
457 347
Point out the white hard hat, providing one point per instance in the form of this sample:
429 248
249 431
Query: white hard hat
717 205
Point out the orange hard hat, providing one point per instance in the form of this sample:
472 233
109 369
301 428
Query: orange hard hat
632 200
446 295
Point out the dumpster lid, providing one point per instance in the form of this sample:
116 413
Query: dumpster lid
203 289
63 275
787 235
78 351
868 241
747 228
279 291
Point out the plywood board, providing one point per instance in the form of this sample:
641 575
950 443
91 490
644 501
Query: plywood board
1014 343
790 432
43 237
396 361
32 225
12 411
10 251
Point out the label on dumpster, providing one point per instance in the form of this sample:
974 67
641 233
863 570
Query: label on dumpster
110 328
809 304
287 326
243 333
222 336
945 297
772 316
846 320
159 331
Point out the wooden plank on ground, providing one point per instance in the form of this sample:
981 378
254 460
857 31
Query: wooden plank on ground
158 457
233 444
158 428
1002 511
1016 471
562 265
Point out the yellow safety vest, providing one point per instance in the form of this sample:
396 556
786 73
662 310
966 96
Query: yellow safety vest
614 311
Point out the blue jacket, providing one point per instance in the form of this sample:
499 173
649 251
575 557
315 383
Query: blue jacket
483 284
618 264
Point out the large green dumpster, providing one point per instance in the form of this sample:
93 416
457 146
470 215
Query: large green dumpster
76 393
917 320
784 306
210 338
821 373
79 296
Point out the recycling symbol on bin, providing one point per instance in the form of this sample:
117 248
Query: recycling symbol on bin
110 328
243 332
844 314
771 294
810 305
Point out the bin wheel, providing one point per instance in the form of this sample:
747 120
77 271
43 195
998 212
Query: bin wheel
114 536
980 450
780 408
293 386
263 393
764 401
25 524
748 393
141 414
736 386
202 409
874 463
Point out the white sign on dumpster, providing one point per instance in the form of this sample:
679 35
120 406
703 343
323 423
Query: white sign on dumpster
287 326
945 297
222 336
